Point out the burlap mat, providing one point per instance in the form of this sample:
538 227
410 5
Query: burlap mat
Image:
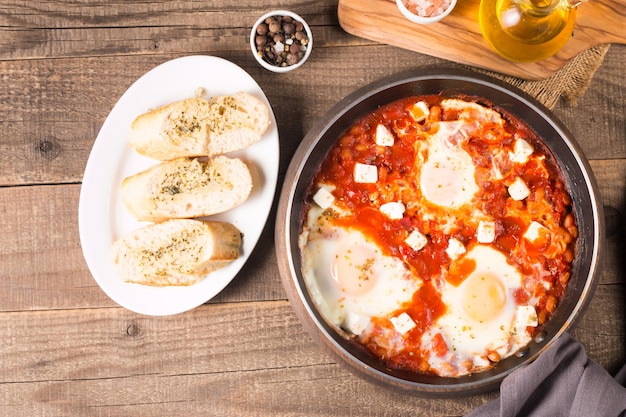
569 82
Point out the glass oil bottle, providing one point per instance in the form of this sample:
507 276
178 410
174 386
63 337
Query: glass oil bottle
527 30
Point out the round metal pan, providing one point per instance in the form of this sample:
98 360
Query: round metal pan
448 82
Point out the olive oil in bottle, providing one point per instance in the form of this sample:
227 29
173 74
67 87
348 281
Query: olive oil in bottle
526 30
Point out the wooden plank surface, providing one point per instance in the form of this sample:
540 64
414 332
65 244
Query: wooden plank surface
85 362
67 350
47 138
43 267
458 37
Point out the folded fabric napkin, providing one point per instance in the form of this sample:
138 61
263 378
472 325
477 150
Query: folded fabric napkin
562 381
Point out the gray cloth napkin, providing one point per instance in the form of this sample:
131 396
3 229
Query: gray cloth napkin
562 381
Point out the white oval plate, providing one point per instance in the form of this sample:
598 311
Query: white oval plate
102 216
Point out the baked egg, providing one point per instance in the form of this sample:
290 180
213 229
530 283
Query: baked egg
483 319
349 277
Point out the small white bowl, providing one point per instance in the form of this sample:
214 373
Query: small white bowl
424 20
259 56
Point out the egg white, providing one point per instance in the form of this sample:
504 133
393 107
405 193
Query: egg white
471 111
348 276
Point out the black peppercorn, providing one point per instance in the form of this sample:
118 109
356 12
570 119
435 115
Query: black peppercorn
281 40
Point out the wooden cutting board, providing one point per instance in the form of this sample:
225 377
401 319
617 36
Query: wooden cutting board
458 37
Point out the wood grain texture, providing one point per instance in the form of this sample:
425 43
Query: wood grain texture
43 268
66 349
458 37
46 137
113 362
95 28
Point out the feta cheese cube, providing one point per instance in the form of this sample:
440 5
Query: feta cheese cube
518 190
394 210
384 136
455 248
534 231
526 316
419 111
480 362
521 151
403 323
416 240
364 173
355 323
324 198
486 232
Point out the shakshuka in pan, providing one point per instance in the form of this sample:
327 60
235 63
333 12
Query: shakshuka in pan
438 233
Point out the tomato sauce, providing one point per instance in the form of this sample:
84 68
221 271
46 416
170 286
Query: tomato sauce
490 146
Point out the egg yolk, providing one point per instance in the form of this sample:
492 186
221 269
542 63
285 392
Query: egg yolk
353 269
484 297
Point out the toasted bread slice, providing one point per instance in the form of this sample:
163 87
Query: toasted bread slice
187 188
199 127
175 252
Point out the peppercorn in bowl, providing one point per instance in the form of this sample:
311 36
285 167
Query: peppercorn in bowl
281 41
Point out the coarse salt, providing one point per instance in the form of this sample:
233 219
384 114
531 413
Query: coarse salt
427 8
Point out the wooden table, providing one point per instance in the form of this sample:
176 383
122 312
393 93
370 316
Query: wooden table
67 349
